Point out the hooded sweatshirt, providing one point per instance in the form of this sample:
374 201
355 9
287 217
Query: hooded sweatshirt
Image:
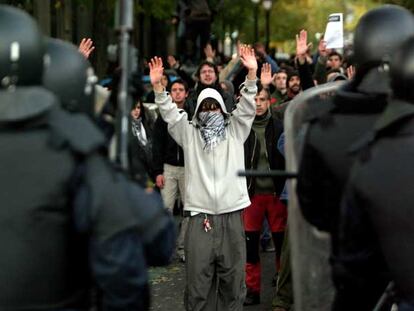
211 181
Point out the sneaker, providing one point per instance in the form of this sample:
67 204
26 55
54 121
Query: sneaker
267 245
252 299
180 256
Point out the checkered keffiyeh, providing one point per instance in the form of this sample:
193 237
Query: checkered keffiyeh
212 129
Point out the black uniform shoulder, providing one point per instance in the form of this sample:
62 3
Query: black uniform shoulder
74 130
397 119
352 102
346 101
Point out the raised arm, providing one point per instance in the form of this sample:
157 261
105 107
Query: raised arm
261 50
248 59
176 119
243 115
156 71
320 67
266 77
302 47
86 47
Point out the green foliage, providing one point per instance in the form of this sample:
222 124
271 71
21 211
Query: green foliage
160 9
287 18
234 15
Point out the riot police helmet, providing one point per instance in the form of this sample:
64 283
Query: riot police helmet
378 33
69 76
402 71
22 48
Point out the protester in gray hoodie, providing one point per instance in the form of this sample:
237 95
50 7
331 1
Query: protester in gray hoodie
213 151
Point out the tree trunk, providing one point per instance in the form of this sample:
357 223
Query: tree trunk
101 32
64 21
41 11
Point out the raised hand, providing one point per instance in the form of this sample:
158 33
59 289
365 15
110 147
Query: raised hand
350 71
86 47
156 71
302 43
248 58
266 75
209 52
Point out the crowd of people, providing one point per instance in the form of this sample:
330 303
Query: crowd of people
85 232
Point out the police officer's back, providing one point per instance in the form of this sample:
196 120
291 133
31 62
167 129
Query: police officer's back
377 235
336 125
66 217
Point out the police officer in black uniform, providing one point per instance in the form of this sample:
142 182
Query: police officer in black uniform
68 219
338 123
377 234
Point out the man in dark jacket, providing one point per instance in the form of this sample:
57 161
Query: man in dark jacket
337 123
293 86
168 161
261 153
68 220
377 237
280 93
207 75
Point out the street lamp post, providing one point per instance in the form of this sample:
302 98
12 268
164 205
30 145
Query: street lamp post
256 20
267 5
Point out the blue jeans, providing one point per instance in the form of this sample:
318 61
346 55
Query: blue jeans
266 235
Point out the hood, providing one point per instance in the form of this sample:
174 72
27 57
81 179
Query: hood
210 93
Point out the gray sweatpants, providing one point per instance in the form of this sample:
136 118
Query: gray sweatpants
215 263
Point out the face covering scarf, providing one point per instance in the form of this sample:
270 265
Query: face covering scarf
212 129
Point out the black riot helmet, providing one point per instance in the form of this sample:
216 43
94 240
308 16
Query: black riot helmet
378 33
69 76
402 71
21 48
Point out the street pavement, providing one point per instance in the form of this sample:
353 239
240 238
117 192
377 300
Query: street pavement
167 286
